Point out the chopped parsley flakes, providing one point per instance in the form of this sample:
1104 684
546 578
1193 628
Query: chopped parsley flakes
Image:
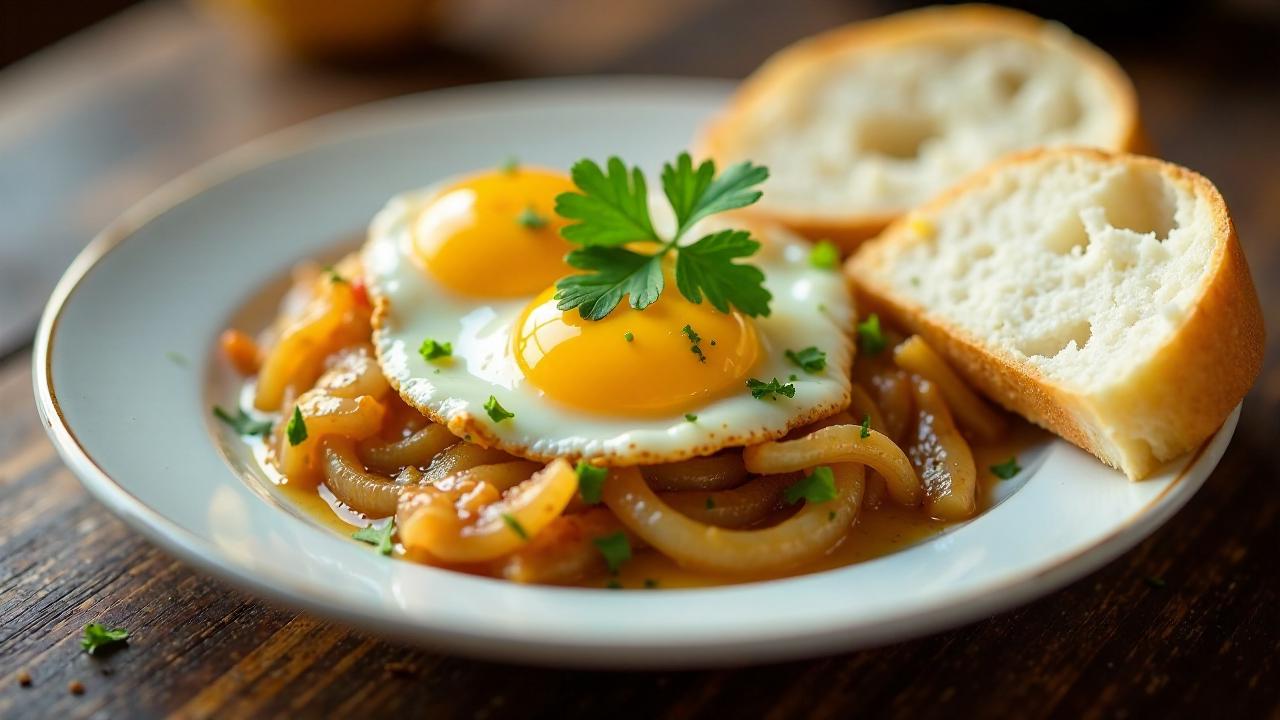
816 487
241 422
615 548
694 342
510 165
1006 469
431 350
690 417
761 390
98 639
710 504
296 430
864 430
811 359
590 481
824 255
378 537
610 210
531 219
511 522
628 336
871 338
497 413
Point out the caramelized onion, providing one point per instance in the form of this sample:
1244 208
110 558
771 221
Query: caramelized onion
456 522
972 411
736 508
373 495
840 444
564 551
804 536
297 359
417 450
323 416
942 457
716 472
463 456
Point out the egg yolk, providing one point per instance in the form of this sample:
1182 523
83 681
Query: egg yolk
669 358
495 234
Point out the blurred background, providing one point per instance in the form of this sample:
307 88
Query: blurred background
101 101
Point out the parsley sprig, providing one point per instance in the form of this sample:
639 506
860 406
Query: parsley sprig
242 422
378 537
611 210
818 486
811 359
771 390
590 482
98 639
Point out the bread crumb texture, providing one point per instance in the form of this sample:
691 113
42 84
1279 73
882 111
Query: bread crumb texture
1080 267
884 126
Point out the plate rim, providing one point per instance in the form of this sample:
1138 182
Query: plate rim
201 553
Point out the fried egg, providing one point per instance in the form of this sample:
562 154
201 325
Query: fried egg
473 263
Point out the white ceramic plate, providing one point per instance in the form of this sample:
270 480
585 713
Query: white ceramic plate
166 279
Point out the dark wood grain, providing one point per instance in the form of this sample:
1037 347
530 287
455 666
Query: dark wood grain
1206 643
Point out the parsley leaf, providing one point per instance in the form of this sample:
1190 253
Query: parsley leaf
433 350
615 548
612 209
617 272
810 359
865 431
511 522
1006 469
241 422
707 268
690 417
511 165
761 390
590 481
696 193
816 487
497 413
378 537
628 336
296 430
824 255
531 219
871 339
98 639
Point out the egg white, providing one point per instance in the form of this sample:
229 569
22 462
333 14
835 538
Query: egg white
810 307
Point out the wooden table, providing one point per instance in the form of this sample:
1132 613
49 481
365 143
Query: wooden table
1186 624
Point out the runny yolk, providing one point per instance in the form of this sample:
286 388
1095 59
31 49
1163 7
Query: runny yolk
495 234
635 362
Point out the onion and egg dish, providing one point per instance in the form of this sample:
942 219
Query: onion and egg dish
570 379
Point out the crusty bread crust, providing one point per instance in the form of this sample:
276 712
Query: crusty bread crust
770 82
1185 390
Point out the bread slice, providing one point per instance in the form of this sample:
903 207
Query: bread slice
1102 296
860 123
